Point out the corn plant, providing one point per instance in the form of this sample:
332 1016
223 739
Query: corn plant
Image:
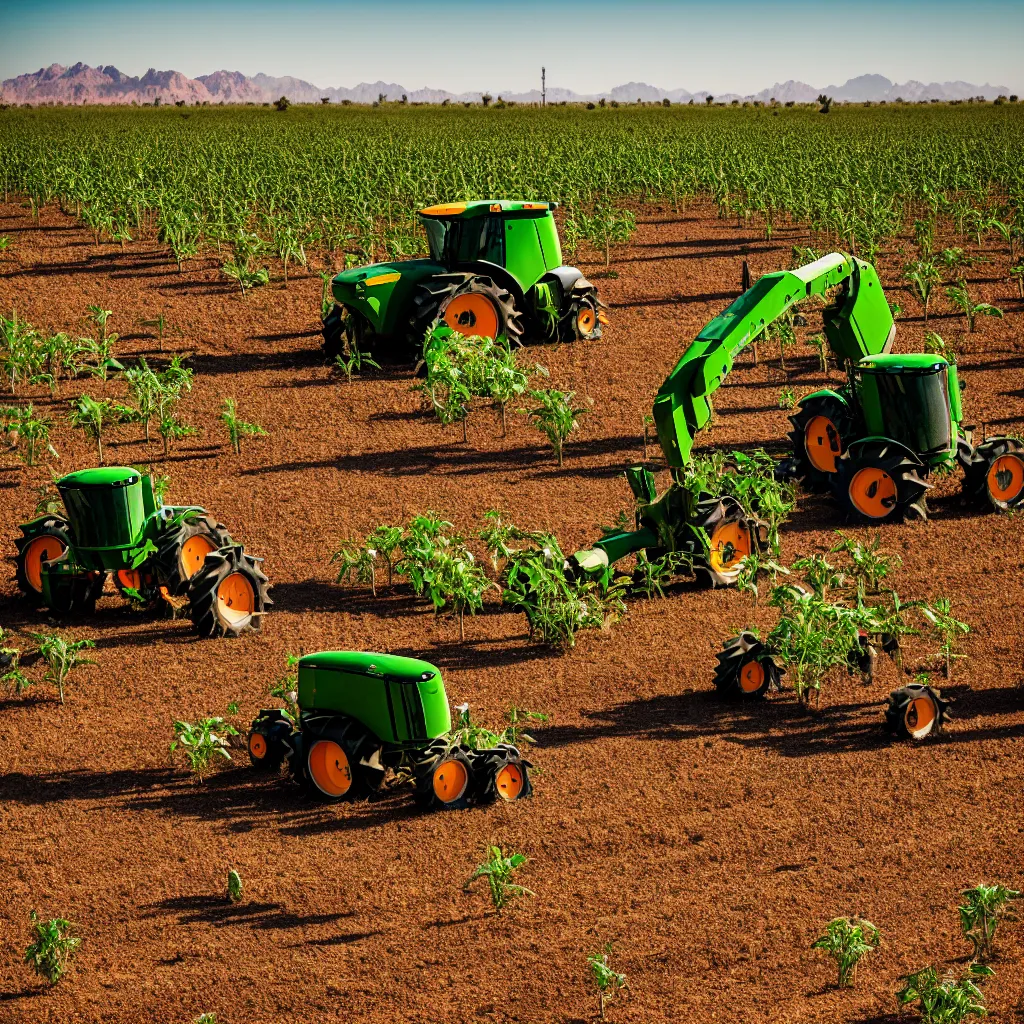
820 344
607 225
202 744
783 333
286 687
61 657
172 381
499 869
555 416
356 562
21 353
235 888
870 565
466 732
11 674
846 940
453 580
499 535
159 322
103 349
945 628
1017 274
53 947
609 983
961 298
27 432
945 999
923 276
787 399
651 577
243 266
505 381
237 428
753 565
94 416
983 908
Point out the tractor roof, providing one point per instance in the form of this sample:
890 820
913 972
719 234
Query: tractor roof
385 666
104 476
913 362
483 207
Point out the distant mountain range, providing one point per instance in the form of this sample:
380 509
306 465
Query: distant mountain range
106 85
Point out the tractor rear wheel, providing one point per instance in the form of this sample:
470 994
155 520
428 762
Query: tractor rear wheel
333 759
503 773
745 670
48 542
181 552
444 776
880 482
468 303
229 594
732 536
915 711
821 427
994 474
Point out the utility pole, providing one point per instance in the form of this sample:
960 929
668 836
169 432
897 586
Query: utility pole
543 88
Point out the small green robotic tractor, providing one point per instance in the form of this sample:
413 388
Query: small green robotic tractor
872 442
495 269
156 554
360 714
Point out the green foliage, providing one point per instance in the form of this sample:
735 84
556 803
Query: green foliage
354 361
499 869
53 948
61 657
235 888
609 982
945 1000
466 732
923 276
867 562
285 688
846 940
93 416
203 743
555 416
651 577
605 225
945 628
237 428
243 267
26 432
983 908
787 399
961 298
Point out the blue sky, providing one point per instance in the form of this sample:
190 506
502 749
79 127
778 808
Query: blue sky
587 45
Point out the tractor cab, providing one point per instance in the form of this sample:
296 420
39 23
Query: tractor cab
913 399
519 237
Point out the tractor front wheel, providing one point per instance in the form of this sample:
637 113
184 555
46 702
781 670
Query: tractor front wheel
880 482
583 319
731 537
333 767
503 773
745 670
229 594
444 777
181 551
822 426
915 711
46 543
994 474
267 741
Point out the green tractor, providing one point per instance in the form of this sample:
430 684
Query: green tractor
157 554
873 442
359 714
495 269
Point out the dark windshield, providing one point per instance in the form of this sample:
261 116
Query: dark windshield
916 409
466 241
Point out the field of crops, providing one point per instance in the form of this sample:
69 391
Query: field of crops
350 178
683 856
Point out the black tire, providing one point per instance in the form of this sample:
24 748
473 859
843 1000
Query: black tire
229 595
332 329
74 594
915 711
181 551
267 741
444 777
880 482
332 756
344 329
503 774
745 670
581 320
822 427
994 475
728 536
434 297
46 542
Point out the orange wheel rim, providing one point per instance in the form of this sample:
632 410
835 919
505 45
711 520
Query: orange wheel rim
329 768
130 578
586 320
920 717
257 745
39 550
450 780
822 444
751 677
873 492
193 554
472 314
1005 478
509 782
730 544
236 598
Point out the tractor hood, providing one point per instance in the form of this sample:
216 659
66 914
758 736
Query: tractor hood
360 280
381 291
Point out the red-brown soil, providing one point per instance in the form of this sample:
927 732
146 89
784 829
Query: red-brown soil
709 842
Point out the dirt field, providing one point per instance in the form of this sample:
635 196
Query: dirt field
709 842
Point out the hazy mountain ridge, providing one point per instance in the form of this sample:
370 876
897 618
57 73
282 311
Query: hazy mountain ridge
81 83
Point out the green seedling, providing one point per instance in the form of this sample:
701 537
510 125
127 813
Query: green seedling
846 940
61 657
27 432
961 298
237 428
159 322
499 870
787 398
555 416
820 344
54 947
870 565
285 688
945 628
203 743
983 908
610 984
923 276
94 417
235 888
945 1000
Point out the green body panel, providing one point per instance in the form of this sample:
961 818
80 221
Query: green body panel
861 326
400 700
532 248
383 302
